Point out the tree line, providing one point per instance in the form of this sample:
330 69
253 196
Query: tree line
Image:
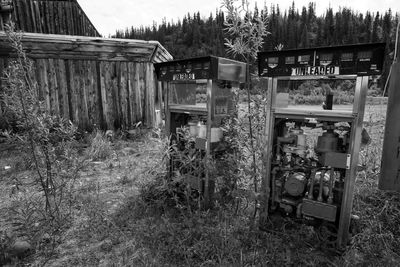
294 27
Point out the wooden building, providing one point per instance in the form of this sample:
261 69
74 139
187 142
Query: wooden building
94 81
90 80
47 16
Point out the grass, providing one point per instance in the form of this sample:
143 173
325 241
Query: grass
113 223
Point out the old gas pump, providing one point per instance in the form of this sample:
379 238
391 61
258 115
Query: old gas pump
198 95
311 151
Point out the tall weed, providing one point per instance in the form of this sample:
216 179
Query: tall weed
100 147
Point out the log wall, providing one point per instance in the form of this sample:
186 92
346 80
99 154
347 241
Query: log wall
107 94
103 82
51 17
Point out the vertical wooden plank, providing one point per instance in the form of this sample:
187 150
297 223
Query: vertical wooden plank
63 89
113 108
102 71
31 14
88 94
50 7
45 84
33 78
160 96
136 92
56 17
69 84
132 92
29 19
115 93
80 20
146 95
75 91
94 96
148 88
46 18
20 15
53 86
124 95
66 6
107 99
79 83
24 22
99 96
38 16
85 94
14 16
127 107
82 93
42 18
129 92
49 68
49 17
74 19
152 86
38 70
71 19
61 6
142 91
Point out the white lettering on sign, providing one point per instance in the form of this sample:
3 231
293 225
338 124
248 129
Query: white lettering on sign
183 76
315 70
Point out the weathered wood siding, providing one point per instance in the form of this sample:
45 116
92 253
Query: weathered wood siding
102 82
109 94
51 16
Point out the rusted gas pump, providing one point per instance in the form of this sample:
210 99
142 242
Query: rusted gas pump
198 95
311 151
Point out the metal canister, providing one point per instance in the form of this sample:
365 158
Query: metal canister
327 142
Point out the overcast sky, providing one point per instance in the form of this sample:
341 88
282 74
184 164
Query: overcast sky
108 16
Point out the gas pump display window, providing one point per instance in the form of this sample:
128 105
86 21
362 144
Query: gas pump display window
315 94
188 93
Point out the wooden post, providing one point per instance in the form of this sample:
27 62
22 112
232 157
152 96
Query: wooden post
159 104
390 167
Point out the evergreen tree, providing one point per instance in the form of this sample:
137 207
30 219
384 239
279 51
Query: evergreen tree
195 35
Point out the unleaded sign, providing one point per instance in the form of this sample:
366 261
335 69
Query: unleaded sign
316 70
359 59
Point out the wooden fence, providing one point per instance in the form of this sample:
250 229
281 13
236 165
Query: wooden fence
51 16
94 81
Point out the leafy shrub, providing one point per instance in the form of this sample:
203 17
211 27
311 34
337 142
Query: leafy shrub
47 140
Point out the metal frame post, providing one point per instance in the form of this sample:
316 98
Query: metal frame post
267 152
207 196
351 174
